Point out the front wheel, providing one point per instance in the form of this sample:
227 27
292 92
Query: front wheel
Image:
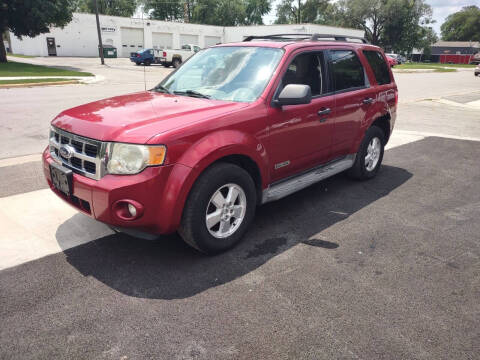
370 155
219 209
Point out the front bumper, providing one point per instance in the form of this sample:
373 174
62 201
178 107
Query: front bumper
97 198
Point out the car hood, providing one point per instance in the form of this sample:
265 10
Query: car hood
137 117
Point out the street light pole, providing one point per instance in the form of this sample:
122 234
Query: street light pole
100 44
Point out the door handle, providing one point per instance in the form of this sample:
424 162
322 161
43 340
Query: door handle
324 111
368 100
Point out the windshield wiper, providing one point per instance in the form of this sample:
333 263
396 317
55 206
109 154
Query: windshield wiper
192 93
162 88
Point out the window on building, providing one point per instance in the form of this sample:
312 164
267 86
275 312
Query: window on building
348 72
379 66
307 69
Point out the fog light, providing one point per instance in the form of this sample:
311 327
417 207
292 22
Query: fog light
132 210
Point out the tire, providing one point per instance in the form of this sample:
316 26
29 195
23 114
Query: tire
364 171
176 63
137 63
216 183
147 62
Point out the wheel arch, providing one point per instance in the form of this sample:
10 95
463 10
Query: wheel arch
225 146
383 122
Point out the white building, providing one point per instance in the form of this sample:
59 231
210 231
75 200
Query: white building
79 37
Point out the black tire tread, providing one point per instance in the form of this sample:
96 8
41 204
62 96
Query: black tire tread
190 211
358 171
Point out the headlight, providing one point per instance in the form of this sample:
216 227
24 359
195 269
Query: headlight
131 158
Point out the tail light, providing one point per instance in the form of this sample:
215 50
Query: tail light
138 55
164 54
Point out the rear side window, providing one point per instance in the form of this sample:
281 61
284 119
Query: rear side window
347 70
379 66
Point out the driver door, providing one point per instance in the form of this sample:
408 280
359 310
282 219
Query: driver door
300 136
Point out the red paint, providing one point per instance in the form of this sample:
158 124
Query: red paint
456 59
391 61
198 132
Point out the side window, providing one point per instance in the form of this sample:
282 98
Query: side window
379 66
186 47
196 48
307 69
347 70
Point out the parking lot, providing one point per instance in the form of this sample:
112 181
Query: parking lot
384 269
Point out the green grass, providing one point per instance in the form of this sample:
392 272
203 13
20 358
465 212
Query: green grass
432 66
32 81
13 68
444 70
20 56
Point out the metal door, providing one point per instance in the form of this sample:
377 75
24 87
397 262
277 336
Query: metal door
52 49
132 40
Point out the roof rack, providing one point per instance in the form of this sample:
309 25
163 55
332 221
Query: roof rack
311 37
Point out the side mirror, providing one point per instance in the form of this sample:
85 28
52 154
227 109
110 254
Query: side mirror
295 94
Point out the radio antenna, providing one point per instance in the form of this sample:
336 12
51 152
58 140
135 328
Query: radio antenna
144 66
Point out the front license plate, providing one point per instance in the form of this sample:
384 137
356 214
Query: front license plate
62 178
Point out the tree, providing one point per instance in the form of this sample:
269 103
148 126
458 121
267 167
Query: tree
229 12
108 7
393 24
463 25
170 10
407 26
255 9
289 12
427 38
31 18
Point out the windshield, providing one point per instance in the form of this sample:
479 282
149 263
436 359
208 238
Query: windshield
225 73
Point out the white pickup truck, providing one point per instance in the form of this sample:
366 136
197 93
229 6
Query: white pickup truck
175 57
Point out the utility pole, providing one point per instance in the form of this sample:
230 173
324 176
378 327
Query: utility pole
100 44
299 13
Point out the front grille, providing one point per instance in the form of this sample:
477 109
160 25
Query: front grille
85 156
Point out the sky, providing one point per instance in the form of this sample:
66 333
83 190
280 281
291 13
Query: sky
441 9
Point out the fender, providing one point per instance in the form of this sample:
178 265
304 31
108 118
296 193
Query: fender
196 159
379 109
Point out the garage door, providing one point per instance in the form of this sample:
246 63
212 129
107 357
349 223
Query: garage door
212 40
188 39
162 40
132 40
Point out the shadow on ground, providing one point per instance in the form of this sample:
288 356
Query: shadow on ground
168 269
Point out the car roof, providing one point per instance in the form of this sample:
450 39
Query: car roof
292 45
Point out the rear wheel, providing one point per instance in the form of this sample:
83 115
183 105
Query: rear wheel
147 62
219 209
370 155
176 63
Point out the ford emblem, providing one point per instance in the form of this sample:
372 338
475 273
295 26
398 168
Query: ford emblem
66 151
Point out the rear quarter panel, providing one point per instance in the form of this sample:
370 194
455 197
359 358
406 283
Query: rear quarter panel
385 96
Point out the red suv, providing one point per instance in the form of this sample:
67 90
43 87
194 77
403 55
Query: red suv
236 126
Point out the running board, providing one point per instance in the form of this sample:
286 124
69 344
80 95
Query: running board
299 182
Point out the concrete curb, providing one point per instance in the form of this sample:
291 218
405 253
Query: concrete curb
48 83
69 80
429 70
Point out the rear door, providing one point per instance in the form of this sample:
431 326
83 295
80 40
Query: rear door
353 99
300 136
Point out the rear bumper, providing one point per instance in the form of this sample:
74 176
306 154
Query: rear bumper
99 198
